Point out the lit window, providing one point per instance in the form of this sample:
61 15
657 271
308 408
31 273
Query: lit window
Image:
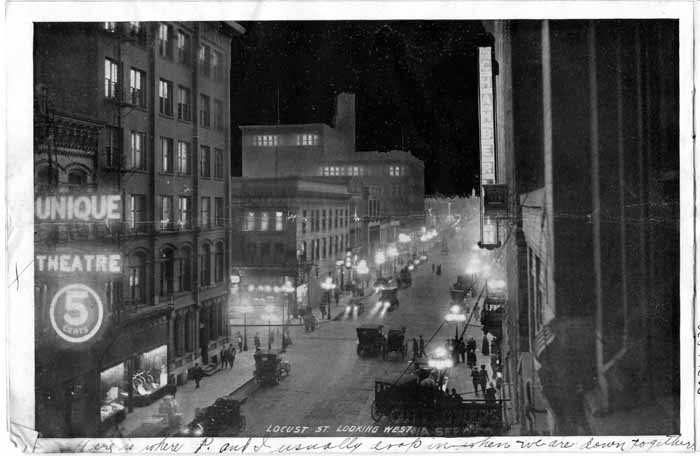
183 48
184 210
137 83
204 214
166 151
279 221
137 157
265 140
184 110
205 59
249 222
111 78
138 212
164 46
264 221
166 205
205 161
183 157
217 63
165 96
109 26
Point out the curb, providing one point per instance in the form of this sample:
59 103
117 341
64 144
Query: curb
240 389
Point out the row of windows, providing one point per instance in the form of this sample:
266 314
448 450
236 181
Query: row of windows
322 220
261 221
392 171
304 139
321 249
211 62
172 160
169 219
175 272
166 96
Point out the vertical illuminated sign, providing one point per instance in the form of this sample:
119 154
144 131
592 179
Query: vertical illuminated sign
486 123
487 146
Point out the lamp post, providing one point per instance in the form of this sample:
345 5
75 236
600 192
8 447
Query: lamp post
328 286
379 259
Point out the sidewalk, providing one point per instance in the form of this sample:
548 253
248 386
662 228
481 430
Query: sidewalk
142 420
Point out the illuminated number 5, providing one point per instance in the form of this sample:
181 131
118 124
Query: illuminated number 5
75 303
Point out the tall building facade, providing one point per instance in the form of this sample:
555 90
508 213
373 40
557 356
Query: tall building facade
386 188
157 95
587 141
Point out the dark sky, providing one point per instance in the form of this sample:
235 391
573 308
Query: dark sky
415 83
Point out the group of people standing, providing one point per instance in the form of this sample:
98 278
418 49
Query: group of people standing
480 378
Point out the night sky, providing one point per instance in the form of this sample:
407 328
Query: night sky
415 84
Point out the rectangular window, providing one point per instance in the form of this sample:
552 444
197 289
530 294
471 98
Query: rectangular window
137 158
204 60
303 222
323 220
217 63
264 221
137 215
165 33
307 140
219 211
184 211
183 48
204 111
166 154
249 221
166 212
112 150
218 115
204 212
205 161
266 140
184 104
218 163
279 221
165 95
183 157
111 78
137 86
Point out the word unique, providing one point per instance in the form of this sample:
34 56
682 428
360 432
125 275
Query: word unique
110 263
71 207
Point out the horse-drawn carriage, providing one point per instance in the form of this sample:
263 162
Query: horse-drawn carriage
463 287
270 367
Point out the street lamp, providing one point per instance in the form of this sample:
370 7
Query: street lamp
379 259
328 286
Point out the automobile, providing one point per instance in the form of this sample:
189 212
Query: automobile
371 340
356 306
389 298
270 367
221 419
381 283
395 342
404 278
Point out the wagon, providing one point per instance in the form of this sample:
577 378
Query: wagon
221 419
371 341
396 343
270 367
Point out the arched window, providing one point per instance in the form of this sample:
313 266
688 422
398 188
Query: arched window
167 264
77 179
185 269
205 266
219 262
136 293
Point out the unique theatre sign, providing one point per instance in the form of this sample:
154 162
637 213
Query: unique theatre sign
76 272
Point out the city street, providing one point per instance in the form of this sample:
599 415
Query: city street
331 386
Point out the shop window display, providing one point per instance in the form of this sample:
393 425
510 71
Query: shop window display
150 372
114 391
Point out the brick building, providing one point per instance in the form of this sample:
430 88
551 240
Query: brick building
158 95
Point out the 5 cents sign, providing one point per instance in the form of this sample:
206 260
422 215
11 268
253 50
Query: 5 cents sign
76 313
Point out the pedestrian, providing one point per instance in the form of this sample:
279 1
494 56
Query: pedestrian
439 270
421 344
256 340
485 346
462 349
484 378
224 357
433 268
239 339
490 395
197 374
231 355
476 380
471 344
471 359
337 297
416 350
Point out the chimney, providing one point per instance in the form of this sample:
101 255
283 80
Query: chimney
344 120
